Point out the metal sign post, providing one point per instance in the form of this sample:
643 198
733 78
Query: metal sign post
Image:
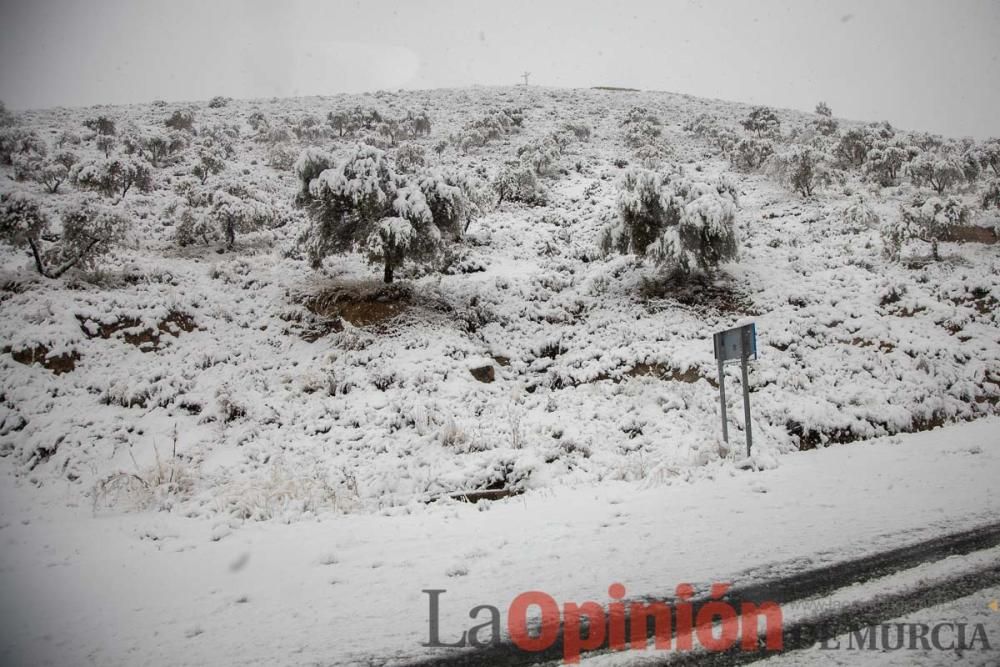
732 345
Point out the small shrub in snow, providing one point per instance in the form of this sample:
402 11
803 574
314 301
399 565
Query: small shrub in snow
940 173
51 174
410 157
68 138
309 128
238 210
686 226
763 122
641 133
859 215
18 141
519 183
258 121
311 163
885 161
182 120
101 125
927 220
800 168
825 125
281 156
540 156
106 144
751 153
218 102
211 160
992 195
114 178
88 233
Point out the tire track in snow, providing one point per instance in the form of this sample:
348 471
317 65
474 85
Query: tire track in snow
785 590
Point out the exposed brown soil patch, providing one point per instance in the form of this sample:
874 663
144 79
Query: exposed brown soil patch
58 364
971 234
133 332
363 304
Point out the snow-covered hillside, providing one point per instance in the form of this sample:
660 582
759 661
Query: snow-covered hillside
242 384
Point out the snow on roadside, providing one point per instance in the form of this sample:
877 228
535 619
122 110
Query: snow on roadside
159 588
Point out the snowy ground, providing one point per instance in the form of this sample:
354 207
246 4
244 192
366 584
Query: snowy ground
295 472
268 424
162 589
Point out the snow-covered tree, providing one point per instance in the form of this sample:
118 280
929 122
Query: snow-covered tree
102 125
182 120
311 163
763 122
823 109
114 178
51 174
19 141
685 225
453 200
106 144
88 233
929 220
238 210
885 161
363 203
939 172
825 124
800 167
992 195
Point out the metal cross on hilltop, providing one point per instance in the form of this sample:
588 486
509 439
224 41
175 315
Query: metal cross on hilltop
525 77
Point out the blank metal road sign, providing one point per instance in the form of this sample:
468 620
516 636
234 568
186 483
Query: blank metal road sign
736 344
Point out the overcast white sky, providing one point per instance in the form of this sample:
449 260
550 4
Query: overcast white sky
919 64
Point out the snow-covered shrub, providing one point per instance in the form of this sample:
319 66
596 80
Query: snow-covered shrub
362 202
100 125
578 129
939 172
275 134
929 220
182 120
989 155
751 152
519 183
258 121
68 138
237 209
885 161
311 163
763 122
684 225
6 117
800 167
106 144
51 174
193 225
641 133
282 156
211 160
859 215
159 147
19 141
826 124
991 197
88 233
410 157
309 128
218 102
114 178
541 156
452 200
